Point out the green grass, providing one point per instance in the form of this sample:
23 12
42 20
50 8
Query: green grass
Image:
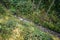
50 21
9 25
12 28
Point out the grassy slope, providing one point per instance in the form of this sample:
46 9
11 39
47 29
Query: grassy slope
40 17
50 21
12 28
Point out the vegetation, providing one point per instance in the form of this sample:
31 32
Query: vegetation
12 28
41 12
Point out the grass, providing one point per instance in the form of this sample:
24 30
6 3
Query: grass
12 28
50 21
